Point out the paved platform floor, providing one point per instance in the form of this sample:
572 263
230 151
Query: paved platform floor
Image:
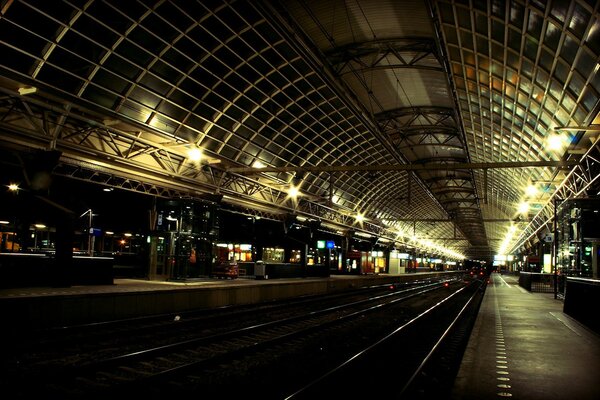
142 285
523 346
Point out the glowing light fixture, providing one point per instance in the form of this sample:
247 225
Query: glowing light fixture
293 192
359 217
555 142
523 207
531 191
507 239
194 154
258 164
27 90
40 226
13 187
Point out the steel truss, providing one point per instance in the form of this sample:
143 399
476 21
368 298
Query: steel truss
93 149
581 181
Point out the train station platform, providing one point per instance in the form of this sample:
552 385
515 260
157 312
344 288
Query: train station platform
524 346
46 307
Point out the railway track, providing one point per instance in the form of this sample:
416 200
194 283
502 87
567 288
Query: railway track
227 358
71 344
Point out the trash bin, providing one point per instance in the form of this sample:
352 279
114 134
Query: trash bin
260 270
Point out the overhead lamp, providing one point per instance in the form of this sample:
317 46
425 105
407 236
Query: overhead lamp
293 192
258 164
555 142
27 90
523 207
13 187
194 154
359 217
363 234
531 191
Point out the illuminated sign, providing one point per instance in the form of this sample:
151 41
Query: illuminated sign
320 244
330 244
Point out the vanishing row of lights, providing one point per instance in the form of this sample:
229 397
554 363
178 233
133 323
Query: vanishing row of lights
555 142
523 208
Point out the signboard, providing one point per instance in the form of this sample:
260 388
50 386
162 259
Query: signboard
95 232
330 244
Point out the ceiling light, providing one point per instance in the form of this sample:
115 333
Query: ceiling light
27 90
194 154
555 142
523 208
293 192
258 164
531 190
359 217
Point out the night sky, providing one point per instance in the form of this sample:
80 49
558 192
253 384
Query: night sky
118 210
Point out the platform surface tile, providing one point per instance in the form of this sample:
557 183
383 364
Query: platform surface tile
524 347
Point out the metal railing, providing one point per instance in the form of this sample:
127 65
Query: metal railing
543 283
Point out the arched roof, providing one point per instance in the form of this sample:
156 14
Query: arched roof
430 118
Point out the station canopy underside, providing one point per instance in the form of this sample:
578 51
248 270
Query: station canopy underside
428 118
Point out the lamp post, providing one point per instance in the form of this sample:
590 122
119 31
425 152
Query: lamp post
90 231
555 227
